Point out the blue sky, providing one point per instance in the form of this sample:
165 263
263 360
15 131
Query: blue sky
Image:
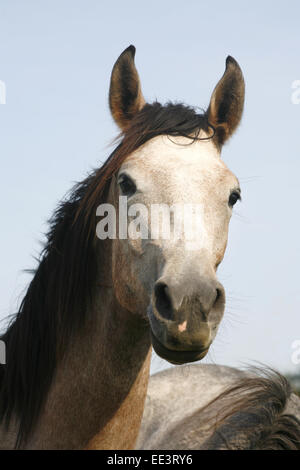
56 58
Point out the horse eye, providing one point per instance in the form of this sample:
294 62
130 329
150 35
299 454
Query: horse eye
127 186
233 198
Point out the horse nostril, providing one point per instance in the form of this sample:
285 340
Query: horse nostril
218 295
163 302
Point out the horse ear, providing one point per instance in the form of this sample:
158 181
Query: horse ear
227 102
125 95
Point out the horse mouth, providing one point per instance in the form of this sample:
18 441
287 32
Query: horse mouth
177 357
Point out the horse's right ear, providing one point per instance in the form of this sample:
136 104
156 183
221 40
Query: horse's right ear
125 95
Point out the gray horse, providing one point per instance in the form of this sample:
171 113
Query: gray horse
217 407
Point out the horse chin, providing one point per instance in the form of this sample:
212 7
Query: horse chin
176 357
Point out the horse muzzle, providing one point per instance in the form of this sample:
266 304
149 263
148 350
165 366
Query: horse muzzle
183 327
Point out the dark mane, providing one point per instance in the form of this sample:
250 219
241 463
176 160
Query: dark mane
57 300
252 415
255 413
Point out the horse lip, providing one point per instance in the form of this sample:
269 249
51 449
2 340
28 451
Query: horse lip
177 357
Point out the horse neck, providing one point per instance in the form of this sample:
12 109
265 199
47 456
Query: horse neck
97 396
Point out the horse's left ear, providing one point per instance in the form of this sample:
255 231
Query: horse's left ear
125 95
227 102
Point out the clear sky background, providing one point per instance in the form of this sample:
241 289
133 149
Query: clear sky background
56 58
